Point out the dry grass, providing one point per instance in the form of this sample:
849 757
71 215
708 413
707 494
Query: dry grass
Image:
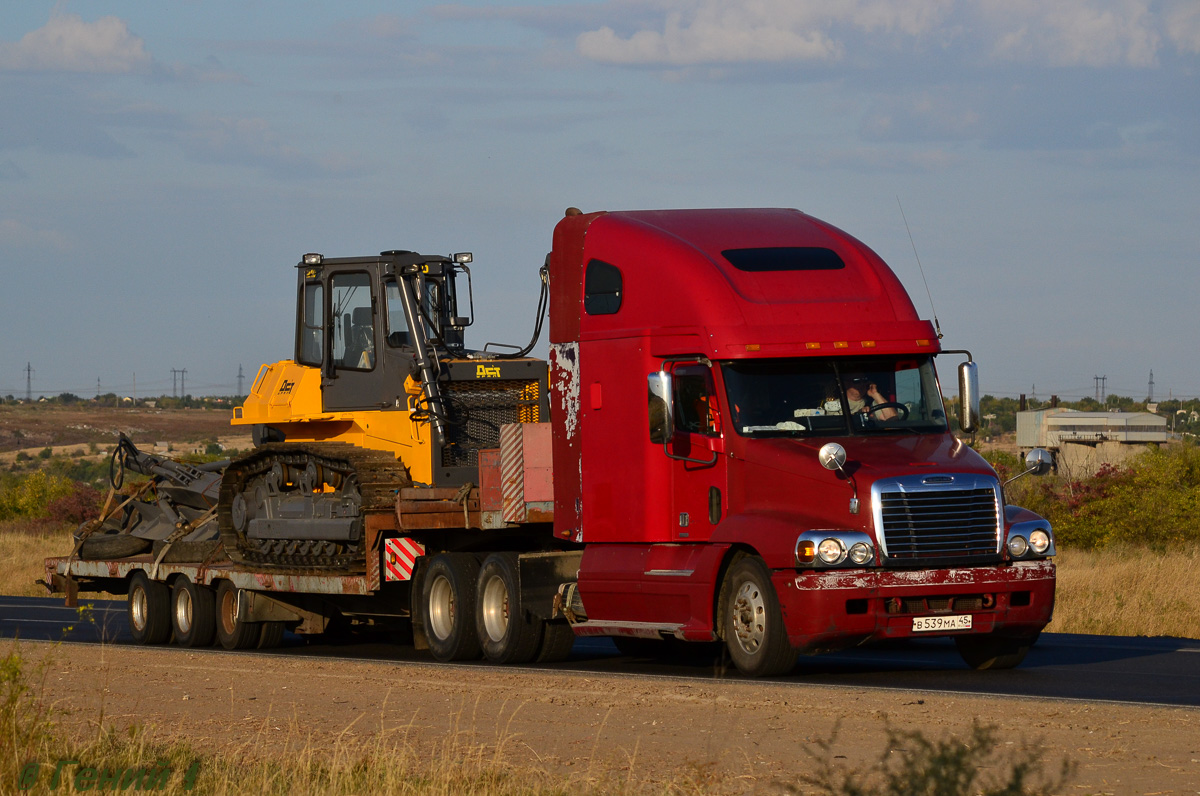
285 759
1128 592
374 755
22 553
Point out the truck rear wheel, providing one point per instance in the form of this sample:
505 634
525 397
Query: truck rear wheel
992 652
271 635
448 591
752 621
149 610
557 640
506 633
233 632
193 613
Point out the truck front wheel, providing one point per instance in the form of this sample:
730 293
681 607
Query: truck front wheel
448 606
992 652
506 633
752 621
149 610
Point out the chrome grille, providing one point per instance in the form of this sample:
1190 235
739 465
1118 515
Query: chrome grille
933 518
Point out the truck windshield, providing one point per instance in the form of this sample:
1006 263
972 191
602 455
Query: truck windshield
834 396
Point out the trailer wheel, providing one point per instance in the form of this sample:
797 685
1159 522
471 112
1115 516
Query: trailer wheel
506 633
448 606
149 610
193 613
753 622
992 652
272 635
232 631
557 641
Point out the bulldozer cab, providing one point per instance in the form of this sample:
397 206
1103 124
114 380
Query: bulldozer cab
369 323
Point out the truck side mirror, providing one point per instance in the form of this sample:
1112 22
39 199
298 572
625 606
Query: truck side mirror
968 397
660 400
1039 461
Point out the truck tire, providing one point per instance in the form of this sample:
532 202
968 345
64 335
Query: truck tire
149 610
271 636
752 621
193 613
232 631
448 606
507 634
992 652
557 640
112 545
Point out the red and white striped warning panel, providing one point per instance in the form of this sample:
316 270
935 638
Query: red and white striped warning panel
512 472
399 558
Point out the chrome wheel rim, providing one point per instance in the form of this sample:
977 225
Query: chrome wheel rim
495 608
441 607
229 611
137 609
183 611
749 617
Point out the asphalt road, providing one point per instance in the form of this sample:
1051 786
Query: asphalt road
1159 671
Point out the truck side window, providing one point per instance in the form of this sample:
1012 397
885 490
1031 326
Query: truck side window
312 326
696 401
353 321
601 289
397 326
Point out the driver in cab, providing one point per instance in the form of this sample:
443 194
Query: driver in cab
862 394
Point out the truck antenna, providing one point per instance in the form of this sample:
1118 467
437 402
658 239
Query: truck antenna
936 326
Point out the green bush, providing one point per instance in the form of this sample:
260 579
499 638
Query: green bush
30 496
913 765
1153 501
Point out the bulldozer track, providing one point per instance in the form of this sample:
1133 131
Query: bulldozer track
373 478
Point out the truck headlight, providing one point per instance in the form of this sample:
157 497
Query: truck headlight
1039 541
831 551
1017 546
861 553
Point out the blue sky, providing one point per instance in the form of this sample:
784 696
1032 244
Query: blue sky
163 165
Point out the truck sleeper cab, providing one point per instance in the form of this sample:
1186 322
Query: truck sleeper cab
712 359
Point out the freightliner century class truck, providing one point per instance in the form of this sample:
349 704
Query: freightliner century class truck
739 437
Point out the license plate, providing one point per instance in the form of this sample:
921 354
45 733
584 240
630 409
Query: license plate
927 624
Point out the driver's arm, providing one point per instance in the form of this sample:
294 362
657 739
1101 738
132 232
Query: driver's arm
887 412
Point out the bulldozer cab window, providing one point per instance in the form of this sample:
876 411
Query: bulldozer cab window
397 326
312 324
353 321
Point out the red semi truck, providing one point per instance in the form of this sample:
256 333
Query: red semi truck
743 440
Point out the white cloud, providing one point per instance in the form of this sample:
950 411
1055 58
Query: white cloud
69 44
731 31
18 233
252 142
1091 33
1182 22
1088 33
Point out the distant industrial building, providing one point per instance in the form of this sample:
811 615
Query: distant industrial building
1083 441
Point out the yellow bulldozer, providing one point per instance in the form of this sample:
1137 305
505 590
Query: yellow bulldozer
381 394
